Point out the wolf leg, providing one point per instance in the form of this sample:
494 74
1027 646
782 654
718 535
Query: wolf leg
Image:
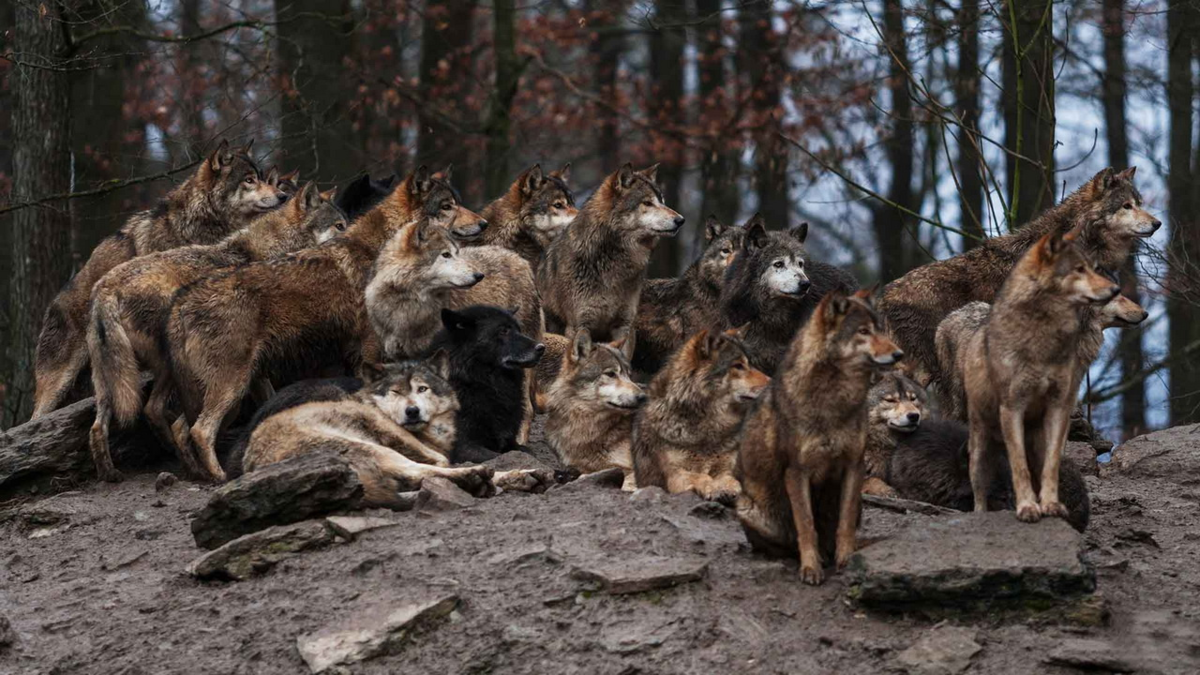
799 492
980 460
1012 426
53 383
524 480
876 486
220 398
1055 425
98 442
851 502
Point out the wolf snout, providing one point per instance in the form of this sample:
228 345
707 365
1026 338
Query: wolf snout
1154 225
539 348
639 399
478 276
412 413
482 224
804 286
914 417
679 220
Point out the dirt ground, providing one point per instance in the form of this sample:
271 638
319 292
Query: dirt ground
104 591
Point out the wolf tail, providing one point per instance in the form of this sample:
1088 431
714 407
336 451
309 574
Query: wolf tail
116 376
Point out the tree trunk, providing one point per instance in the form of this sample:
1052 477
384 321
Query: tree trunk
1184 248
445 73
890 223
761 61
6 176
193 83
966 94
666 95
42 166
1029 107
719 168
606 54
317 101
508 75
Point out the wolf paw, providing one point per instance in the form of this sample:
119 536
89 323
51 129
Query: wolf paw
1053 509
1028 512
476 480
524 480
811 574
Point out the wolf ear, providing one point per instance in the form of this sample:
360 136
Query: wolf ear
329 194
221 157
651 173
1073 233
800 232
619 345
371 372
712 229
1053 244
756 232
737 332
419 181
310 197
836 305
455 321
447 172
563 174
582 346
290 177
440 363
533 180
625 176
1127 174
513 310
386 183
272 176
867 294
707 344
1102 180
245 149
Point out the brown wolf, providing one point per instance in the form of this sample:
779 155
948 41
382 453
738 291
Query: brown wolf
395 432
896 407
131 303
800 461
534 211
672 310
591 405
289 318
591 276
224 193
1108 206
1021 372
686 436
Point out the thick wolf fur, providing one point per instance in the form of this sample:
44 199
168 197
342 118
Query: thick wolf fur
130 306
1021 373
534 211
686 437
591 406
363 193
488 358
1108 207
222 196
932 465
772 287
591 276
672 310
896 406
800 461
395 433
287 319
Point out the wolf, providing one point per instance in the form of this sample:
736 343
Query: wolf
772 287
395 433
591 276
535 210
1021 373
931 464
225 192
672 310
896 406
363 193
130 306
291 318
686 437
1108 207
590 408
488 358
800 460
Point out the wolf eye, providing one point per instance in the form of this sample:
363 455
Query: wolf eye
340 225
864 331
610 373
559 205
800 264
422 389
446 254
778 264
447 206
248 180
1081 269
648 203
726 251
891 399
737 366
1128 206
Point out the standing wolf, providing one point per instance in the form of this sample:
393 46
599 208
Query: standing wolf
1109 209
534 211
672 310
1021 373
771 289
800 461
591 276
224 193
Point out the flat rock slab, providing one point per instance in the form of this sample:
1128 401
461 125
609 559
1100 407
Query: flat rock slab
286 492
350 527
440 494
370 632
973 562
1089 654
944 650
255 553
1171 454
639 575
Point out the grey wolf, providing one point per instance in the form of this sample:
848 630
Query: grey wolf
535 210
896 406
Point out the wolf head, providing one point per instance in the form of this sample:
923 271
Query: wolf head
318 219
234 185
289 182
717 365
363 193
721 246
1121 312
547 205
487 337
431 196
1114 210
599 375
632 203
1058 265
852 331
775 261
414 393
427 259
897 403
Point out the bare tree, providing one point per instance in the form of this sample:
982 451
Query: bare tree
760 60
966 95
890 222
666 96
445 42
719 167
1028 79
508 75
1184 253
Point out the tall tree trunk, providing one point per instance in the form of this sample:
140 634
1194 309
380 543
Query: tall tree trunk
315 38
606 50
761 62
194 60
508 75
6 177
1181 274
1133 401
891 223
666 96
719 167
1029 107
42 166
966 94
447 31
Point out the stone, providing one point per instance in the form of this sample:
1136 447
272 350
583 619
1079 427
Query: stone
371 632
1090 654
516 460
255 553
944 650
285 492
638 575
1084 457
1169 454
164 481
535 552
49 512
349 527
972 562
440 494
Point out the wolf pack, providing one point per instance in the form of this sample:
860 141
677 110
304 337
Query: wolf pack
249 319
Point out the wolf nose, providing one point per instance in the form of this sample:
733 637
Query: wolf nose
539 348
678 221
478 276
805 285
640 399
897 355
1112 291
482 224
412 412
914 417
1156 224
